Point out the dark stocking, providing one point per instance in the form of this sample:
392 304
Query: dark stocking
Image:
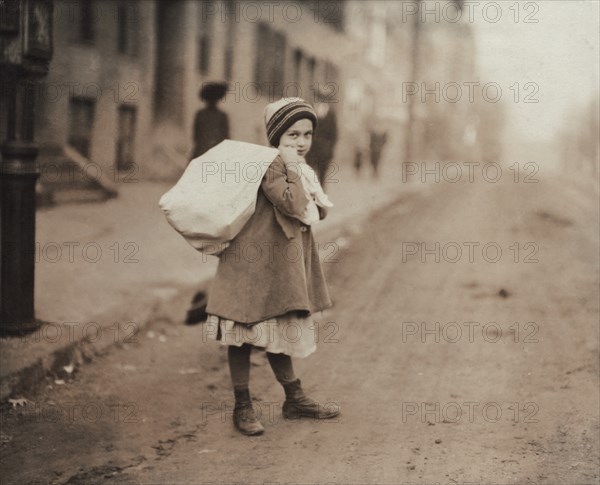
239 365
282 367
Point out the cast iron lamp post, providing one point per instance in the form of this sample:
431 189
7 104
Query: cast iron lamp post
25 53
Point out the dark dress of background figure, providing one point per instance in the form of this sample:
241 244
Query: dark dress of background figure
357 160
376 143
324 140
211 125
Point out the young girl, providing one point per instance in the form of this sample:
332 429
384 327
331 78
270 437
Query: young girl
269 280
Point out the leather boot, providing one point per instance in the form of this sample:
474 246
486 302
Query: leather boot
244 415
298 405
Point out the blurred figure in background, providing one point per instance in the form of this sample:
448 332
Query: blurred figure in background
357 160
323 146
377 140
211 125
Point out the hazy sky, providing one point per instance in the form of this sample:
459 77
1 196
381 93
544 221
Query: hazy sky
559 54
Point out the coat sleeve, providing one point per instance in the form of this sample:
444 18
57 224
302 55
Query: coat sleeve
284 189
226 127
322 212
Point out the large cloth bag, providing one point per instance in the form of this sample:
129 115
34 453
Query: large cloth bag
216 195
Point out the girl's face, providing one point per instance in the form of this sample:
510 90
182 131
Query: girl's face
298 136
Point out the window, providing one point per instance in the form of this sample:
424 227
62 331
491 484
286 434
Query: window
279 42
127 23
81 120
9 17
87 21
205 26
263 49
230 41
270 59
126 137
298 65
82 18
312 68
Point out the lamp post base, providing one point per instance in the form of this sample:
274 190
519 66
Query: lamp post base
16 329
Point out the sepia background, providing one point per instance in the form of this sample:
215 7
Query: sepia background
462 252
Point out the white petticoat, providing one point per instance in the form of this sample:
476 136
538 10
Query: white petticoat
289 334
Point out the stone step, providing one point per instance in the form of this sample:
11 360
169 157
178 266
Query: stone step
66 177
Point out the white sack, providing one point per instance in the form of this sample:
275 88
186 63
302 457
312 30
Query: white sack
216 195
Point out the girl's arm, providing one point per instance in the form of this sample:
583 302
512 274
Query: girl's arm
284 189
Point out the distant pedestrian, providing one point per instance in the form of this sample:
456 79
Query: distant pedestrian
263 297
321 154
376 143
211 125
357 161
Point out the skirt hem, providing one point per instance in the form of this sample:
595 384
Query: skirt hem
288 334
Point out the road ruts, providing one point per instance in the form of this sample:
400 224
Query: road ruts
516 404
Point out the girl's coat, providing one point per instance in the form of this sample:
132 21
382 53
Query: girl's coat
272 266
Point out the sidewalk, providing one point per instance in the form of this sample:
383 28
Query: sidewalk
105 270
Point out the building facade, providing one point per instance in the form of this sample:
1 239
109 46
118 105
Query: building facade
124 81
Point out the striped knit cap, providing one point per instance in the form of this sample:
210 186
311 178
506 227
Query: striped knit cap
282 114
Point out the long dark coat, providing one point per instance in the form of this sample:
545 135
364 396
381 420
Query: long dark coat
272 266
211 127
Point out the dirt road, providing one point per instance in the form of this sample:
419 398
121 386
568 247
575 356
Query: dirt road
462 348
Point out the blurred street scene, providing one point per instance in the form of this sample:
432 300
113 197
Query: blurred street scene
460 147
123 88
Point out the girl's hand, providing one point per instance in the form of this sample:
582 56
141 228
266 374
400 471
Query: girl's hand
291 160
289 155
